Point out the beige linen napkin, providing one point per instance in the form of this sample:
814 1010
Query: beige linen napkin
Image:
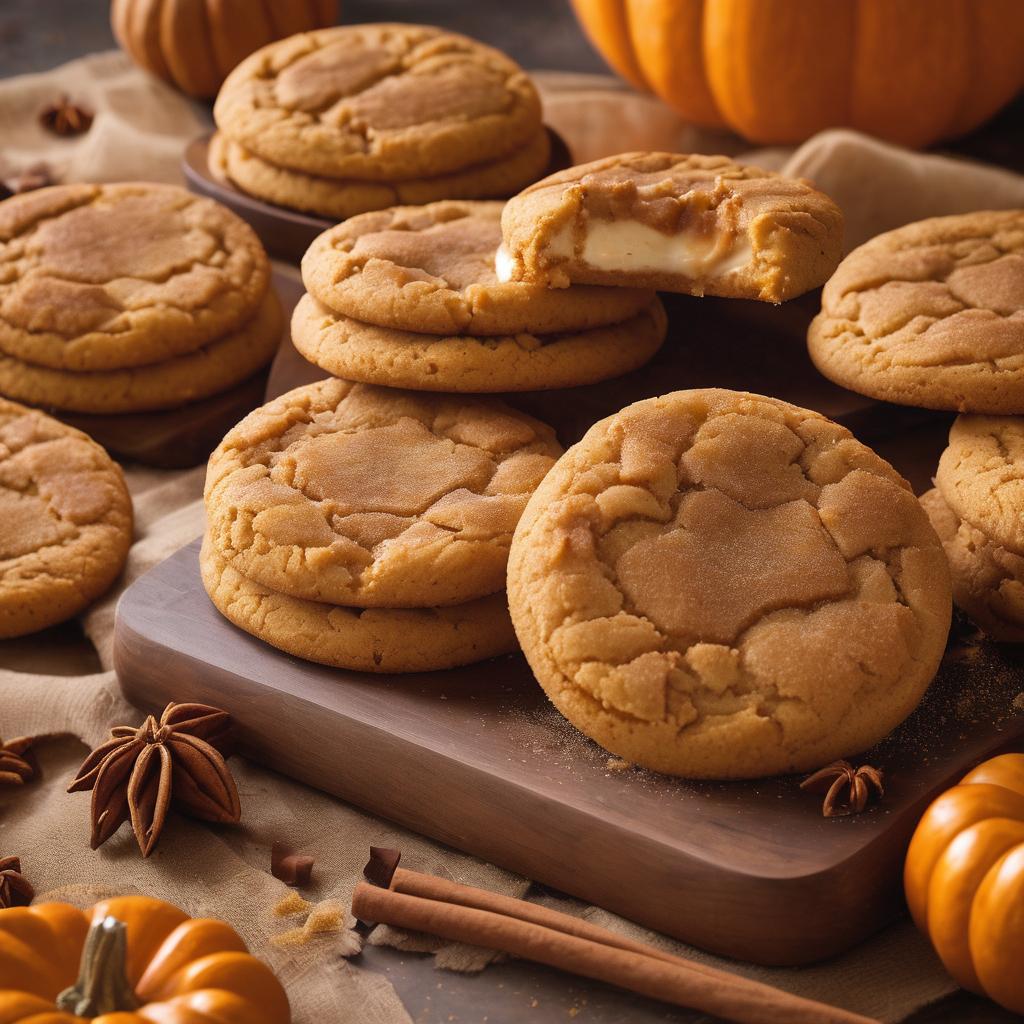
48 687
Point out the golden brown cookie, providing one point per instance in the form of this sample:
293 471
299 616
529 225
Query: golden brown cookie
366 496
107 277
187 378
476 365
931 315
340 198
430 269
364 640
702 225
378 102
988 580
981 476
719 585
65 520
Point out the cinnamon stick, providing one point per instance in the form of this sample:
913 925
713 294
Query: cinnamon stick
525 930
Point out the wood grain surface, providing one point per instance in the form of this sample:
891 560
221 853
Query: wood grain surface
477 758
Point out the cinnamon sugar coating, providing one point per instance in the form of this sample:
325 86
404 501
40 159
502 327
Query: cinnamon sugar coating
719 585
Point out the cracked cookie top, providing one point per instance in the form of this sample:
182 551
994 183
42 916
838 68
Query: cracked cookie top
981 476
107 277
931 314
357 495
716 584
430 269
378 102
65 520
702 225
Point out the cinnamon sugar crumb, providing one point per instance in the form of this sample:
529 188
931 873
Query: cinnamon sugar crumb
617 764
292 904
326 917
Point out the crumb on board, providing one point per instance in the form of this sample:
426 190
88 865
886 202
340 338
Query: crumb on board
617 764
1018 702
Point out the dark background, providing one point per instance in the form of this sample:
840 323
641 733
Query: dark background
39 34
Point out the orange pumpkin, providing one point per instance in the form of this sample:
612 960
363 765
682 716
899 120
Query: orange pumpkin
777 71
137 961
193 44
964 879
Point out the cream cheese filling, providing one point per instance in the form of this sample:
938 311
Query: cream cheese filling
627 246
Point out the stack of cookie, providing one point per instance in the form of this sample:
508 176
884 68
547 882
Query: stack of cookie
409 297
368 528
977 509
129 298
345 120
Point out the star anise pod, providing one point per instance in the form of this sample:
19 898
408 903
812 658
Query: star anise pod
65 118
138 773
15 890
17 763
847 790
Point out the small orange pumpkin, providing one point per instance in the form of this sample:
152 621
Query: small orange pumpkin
964 879
193 44
777 71
137 961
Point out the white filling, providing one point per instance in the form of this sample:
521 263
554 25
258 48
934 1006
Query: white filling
629 246
503 264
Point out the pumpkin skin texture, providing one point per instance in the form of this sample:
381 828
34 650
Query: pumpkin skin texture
193 44
778 71
183 970
964 879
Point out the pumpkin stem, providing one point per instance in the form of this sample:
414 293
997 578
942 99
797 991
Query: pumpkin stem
102 985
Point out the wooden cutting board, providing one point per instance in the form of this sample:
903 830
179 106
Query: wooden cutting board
477 758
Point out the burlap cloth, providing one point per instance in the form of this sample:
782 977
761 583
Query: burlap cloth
50 686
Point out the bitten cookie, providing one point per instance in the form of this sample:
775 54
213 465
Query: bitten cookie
431 269
522 362
931 315
719 585
341 198
988 580
981 476
364 640
366 496
702 225
378 102
109 277
65 521
206 371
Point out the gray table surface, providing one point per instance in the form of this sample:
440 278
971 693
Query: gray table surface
38 34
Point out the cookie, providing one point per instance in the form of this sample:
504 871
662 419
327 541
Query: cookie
431 269
476 365
107 277
366 496
931 315
186 378
363 640
701 225
382 102
981 476
988 580
65 521
719 585
340 198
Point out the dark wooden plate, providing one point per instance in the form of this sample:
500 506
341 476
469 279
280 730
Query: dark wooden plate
286 233
477 758
185 436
